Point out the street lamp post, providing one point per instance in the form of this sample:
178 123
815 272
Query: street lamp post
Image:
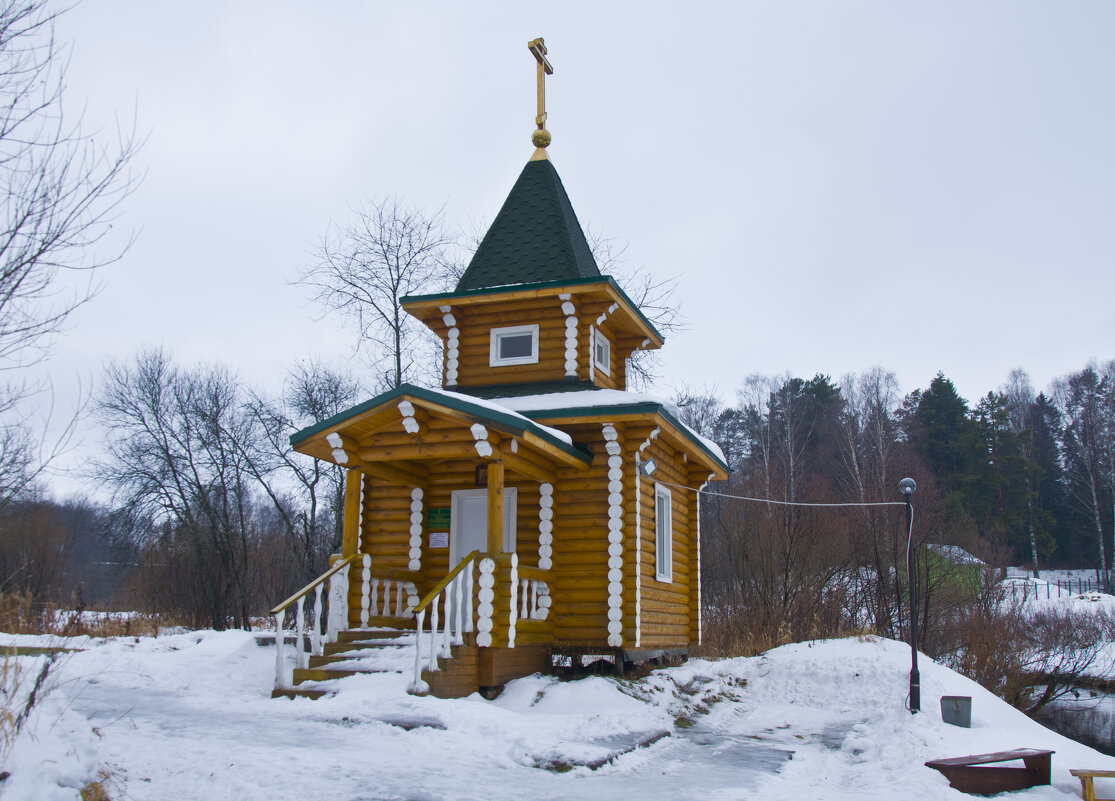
907 487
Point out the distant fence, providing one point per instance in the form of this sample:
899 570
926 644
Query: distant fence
1052 589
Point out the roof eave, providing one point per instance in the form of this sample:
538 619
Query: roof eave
507 422
560 415
416 304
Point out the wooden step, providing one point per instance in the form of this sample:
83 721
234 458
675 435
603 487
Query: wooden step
387 622
337 648
355 654
354 635
325 674
298 692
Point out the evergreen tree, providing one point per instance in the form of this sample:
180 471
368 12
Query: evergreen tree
1050 512
944 433
1005 486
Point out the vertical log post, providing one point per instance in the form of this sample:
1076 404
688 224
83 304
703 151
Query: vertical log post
495 507
350 533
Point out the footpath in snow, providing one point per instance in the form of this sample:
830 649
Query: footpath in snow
188 716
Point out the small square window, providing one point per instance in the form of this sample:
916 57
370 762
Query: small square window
514 345
602 353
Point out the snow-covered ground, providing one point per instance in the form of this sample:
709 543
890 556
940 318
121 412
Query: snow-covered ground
188 716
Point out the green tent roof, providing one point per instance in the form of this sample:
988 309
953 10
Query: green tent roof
535 237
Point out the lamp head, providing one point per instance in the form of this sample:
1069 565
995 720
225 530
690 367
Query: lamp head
907 486
648 467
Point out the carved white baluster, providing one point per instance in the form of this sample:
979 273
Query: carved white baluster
365 591
280 677
524 611
433 636
418 686
458 588
315 634
534 600
375 597
398 599
299 633
447 596
468 595
338 604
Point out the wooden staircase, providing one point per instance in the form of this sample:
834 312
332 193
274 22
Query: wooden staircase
385 646
471 643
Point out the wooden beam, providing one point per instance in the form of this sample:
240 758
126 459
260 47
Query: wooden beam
559 455
351 530
395 475
517 464
394 453
495 507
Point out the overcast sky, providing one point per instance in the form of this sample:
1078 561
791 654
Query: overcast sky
925 186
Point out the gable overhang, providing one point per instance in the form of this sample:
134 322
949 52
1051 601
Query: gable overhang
627 316
402 434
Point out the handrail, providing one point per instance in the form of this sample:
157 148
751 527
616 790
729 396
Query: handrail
536 573
441 585
305 590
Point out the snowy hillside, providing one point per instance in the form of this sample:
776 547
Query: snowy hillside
188 716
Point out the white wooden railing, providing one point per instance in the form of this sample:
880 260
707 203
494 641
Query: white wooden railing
337 575
534 597
452 597
449 606
398 598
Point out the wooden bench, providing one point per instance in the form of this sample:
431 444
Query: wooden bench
1087 777
966 774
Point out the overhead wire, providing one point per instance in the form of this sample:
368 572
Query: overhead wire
779 503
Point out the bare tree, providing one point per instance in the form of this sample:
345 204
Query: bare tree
60 191
361 272
654 297
179 462
1020 397
307 493
1080 399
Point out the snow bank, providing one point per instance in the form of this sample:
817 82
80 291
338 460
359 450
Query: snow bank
189 716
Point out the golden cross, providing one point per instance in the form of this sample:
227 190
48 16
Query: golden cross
538 48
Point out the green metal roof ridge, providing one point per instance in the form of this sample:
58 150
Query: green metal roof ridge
515 420
505 288
629 408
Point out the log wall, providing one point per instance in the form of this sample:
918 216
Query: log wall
475 324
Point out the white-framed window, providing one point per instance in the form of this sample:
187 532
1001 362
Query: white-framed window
516 344
601 352
663 533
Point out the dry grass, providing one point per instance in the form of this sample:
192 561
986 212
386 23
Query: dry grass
727 634
20 615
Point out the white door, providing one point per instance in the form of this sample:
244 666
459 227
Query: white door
468 526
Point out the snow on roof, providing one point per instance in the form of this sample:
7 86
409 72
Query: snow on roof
602 399
956 555
502 408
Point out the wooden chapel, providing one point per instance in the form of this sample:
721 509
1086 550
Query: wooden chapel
531 507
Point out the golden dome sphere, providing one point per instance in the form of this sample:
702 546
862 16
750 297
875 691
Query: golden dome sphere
540 137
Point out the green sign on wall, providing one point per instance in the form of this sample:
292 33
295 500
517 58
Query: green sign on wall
437 519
